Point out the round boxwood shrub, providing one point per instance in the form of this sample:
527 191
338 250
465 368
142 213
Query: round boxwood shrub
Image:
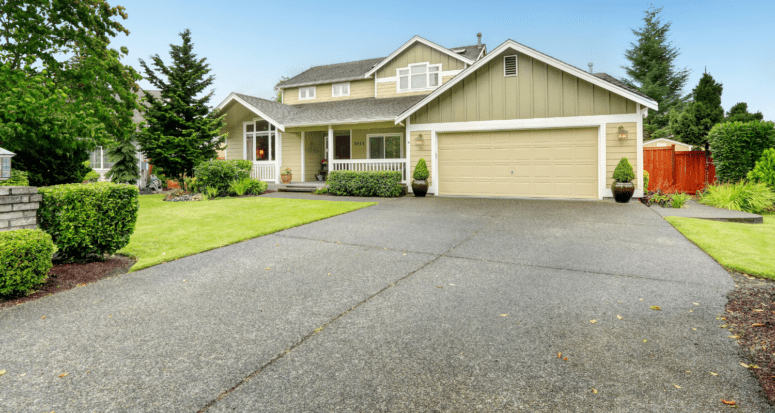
421 170
737 146
624 171
219 173
25 259
764 171
89 220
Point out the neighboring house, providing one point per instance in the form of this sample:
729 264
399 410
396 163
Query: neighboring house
664 143
510 122
99 157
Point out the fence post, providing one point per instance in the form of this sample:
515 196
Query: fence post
672 160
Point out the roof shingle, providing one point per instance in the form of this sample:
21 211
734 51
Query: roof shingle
332 73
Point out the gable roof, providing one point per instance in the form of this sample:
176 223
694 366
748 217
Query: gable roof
667 140
619 89
617 82
413 40
339 72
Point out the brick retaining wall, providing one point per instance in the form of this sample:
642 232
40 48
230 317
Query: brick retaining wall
19 207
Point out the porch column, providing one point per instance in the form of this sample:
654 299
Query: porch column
330 147
303 166
408 154
278 148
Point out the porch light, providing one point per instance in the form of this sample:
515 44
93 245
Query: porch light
5 164
623 133
419 140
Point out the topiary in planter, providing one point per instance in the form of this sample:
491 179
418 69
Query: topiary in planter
420 181
622 187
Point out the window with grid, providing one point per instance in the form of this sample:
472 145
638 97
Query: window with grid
421 76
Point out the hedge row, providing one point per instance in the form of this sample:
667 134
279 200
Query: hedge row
382 184
25 259
87 220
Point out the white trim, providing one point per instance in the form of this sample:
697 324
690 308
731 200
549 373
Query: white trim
408 151
340 122
278 143
322 82
330 154
307 89
516 65
406 45
251 108
482 53
446 73
383 135
434 187
536 55
602 160
409 76
334 95
639 155
303 158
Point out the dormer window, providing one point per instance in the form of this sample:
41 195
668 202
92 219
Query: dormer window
420 76
307 93
340 89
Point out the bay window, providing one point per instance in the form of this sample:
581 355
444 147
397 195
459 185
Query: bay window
420 76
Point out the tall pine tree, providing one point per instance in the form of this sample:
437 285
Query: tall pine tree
692 124
740 113
181 131
652 71
124 169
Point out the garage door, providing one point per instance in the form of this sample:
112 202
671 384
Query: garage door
557 163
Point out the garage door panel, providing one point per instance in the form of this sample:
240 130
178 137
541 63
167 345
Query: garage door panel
538 163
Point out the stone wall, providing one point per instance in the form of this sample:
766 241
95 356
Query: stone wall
19 207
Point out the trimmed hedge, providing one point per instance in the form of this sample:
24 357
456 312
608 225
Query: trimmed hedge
18 178
25 259
382 184
219 173
764 171
737 146
87 220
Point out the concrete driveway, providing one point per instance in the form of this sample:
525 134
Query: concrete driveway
412 305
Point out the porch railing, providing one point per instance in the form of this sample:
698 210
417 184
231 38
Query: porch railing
264 171
361 165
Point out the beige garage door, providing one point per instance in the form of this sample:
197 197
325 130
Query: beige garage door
557 163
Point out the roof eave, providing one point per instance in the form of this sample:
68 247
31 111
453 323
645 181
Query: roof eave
234 98
406 46
322 82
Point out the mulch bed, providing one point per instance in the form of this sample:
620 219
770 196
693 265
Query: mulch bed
751 316
66 276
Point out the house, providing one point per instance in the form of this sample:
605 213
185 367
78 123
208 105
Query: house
664 143
511 122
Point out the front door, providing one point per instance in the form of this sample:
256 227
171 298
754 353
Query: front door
342 145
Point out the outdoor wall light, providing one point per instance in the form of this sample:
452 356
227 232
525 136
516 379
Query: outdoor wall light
419 140
623 133
5 164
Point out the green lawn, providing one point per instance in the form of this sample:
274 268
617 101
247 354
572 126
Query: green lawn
169 230
747 248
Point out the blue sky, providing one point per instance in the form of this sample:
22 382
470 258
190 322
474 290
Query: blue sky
251 44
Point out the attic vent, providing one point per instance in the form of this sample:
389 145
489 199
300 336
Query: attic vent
459 51
510 65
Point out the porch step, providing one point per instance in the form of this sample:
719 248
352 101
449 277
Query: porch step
297 188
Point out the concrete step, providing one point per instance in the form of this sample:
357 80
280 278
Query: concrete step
297 188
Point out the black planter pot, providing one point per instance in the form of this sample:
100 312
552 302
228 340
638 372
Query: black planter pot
420 187
622 191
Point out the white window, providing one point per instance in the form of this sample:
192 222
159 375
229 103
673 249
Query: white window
340 89
99 159
420 76
387 146
258 141
307 93
510 65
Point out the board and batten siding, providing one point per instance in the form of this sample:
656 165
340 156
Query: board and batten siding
538 91
292 154
617 149
314 151
390 89
236 114
420 53
359 89
421 151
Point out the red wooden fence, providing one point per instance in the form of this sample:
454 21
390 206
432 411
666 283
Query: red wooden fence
673 171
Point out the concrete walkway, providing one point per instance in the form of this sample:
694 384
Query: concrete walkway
694 209
410 305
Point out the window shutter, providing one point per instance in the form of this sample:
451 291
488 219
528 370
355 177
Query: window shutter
510 65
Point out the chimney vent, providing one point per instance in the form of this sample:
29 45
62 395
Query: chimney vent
590 67
479 39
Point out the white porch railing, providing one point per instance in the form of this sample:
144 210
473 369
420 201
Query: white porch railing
264 170
361 165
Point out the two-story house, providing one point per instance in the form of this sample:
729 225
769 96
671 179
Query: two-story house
510 122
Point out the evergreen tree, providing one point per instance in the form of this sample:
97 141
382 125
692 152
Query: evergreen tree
181 131
739 113
652 71
692 125
125 169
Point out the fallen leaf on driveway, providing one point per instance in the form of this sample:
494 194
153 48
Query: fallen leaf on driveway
63 375
655 307
43 317
618 316
677 386
728 402
713 374
2 372
565 358
438 286
645 341
757 324
694 329
696 303
735 337
593 321
267 268
594 391
404 254
559 355
758 311
504 315
452 285
745 365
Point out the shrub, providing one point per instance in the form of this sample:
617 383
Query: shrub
421 170
624 171
209 193
18 178
220 173
742 196
645 181
87 220
239 187
382 183
678 200
25 259
737 146
257 187
91 176
764 171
